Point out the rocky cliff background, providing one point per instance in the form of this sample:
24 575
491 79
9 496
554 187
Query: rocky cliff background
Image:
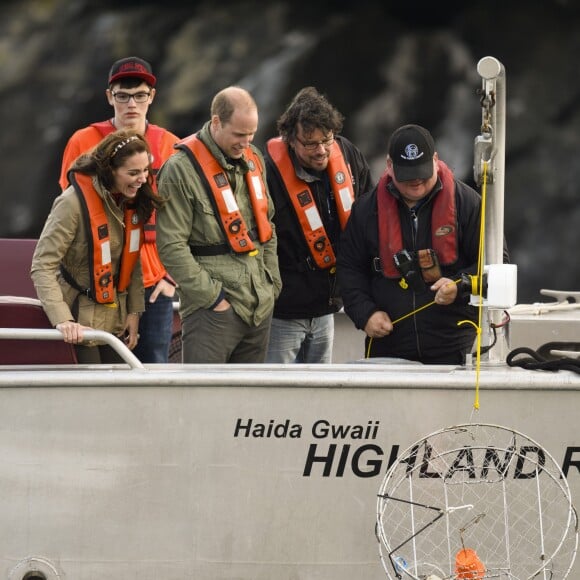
382 63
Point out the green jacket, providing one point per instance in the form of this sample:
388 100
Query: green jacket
250 283
64 239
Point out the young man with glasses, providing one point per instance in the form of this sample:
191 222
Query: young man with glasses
130 92
314 175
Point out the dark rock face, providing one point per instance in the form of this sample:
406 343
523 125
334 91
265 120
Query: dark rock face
381 65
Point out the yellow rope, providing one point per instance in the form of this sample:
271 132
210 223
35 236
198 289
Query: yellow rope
479 289
406 316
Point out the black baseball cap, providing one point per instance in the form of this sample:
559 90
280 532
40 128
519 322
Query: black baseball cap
411 149
132 67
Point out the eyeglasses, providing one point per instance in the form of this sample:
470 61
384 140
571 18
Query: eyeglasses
314 145
126 97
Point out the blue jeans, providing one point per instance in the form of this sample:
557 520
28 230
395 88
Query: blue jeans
155 329
301 340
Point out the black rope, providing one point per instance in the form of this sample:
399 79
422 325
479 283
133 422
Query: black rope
546 349
534 361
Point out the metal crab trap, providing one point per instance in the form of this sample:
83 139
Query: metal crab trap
474 502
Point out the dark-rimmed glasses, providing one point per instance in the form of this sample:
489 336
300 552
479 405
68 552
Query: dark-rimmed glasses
121 97
314 145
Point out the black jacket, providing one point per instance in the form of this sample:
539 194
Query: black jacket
431 335
307 291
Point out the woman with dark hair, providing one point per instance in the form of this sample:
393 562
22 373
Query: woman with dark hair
86 267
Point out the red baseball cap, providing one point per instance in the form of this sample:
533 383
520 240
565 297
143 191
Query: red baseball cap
132 67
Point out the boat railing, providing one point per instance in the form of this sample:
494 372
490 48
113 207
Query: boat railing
88 336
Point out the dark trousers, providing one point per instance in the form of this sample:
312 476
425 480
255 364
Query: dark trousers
95 355
222 337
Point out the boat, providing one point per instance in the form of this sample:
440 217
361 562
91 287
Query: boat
253 472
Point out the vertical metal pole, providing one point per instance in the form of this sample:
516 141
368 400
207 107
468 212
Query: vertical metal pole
493 85
490 147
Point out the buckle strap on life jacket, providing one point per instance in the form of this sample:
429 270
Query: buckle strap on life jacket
72 282
218 249
215 250
223 200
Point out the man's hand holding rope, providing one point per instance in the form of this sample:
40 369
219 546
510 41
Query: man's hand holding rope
445 291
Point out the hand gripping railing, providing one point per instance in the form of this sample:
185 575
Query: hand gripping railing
88 335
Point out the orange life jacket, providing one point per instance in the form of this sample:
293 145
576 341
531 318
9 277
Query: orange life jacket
223 199
153 134
303 203
443 223
102 279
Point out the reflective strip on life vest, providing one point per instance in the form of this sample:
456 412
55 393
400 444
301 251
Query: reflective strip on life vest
443 223
224 201
102 280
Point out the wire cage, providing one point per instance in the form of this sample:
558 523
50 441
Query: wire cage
475 502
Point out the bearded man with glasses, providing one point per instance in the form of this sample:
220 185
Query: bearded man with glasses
130 92
314 175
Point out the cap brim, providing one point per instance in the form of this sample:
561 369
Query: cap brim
410 172
149 79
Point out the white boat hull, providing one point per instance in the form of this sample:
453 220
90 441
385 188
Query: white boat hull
252 473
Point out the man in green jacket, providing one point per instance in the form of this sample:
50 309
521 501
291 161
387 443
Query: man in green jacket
216 238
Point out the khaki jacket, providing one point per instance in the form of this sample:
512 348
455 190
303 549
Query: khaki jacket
65 239
249 283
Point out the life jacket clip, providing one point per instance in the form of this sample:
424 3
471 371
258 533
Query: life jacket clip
320 244
407 264
235 226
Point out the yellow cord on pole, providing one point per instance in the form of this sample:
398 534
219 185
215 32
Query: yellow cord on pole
480 268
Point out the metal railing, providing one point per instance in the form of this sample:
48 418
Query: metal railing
88 335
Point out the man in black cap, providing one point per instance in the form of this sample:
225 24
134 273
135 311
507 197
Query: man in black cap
406 245
131 90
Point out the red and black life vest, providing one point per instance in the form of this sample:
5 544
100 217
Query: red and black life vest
443 223
102 279
303 202
223 199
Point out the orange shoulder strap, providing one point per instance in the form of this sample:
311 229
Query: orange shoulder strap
131 247
341 183
258 195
